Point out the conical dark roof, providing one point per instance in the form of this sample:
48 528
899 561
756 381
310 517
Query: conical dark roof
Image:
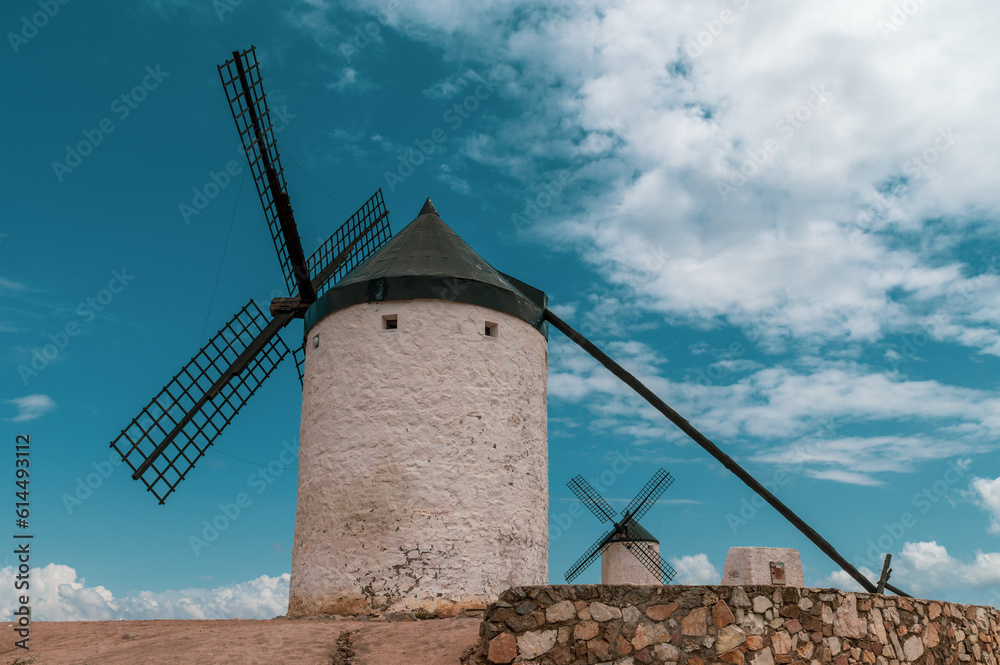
635 533
428 260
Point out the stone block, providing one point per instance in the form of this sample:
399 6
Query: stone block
752 566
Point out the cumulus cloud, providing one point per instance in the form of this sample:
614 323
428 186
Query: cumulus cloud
926 567
695 569
58 594
839 579
801 412
853 154
988 497
787 175
31 407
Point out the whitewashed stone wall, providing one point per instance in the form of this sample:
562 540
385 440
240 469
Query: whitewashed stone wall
423 470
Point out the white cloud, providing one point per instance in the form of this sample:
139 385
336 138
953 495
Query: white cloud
988 497
801 413
31 407
924 568
695 569
58 594
10 285
811 219
839 579
350 78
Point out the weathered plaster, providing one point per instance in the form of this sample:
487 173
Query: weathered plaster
423 470
620 566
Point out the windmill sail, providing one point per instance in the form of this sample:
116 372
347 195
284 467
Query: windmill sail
163 443
653 562
357 239
590 498
245 93
648 495
589 557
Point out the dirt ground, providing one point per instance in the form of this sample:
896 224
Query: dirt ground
432 642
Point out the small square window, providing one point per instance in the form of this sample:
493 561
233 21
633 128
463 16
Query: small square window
491 329
389 322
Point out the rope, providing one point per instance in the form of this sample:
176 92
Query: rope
266 466
219 273
308 175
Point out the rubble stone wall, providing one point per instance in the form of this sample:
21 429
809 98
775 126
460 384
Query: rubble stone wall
756 625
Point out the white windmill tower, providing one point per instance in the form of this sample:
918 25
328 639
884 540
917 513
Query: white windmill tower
423 453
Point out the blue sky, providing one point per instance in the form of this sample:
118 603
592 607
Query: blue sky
781 216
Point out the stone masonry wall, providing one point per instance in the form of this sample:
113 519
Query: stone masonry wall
756 625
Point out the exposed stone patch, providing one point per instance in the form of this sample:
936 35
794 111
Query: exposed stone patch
686 625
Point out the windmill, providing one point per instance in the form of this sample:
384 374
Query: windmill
168 437
423 462
626 537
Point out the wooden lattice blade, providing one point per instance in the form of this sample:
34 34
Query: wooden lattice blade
649 494
590 498
245 93
350 245
654 563
163 443
589 557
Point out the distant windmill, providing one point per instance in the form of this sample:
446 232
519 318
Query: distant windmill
628 537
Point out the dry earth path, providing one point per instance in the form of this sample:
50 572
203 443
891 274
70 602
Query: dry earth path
432 642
